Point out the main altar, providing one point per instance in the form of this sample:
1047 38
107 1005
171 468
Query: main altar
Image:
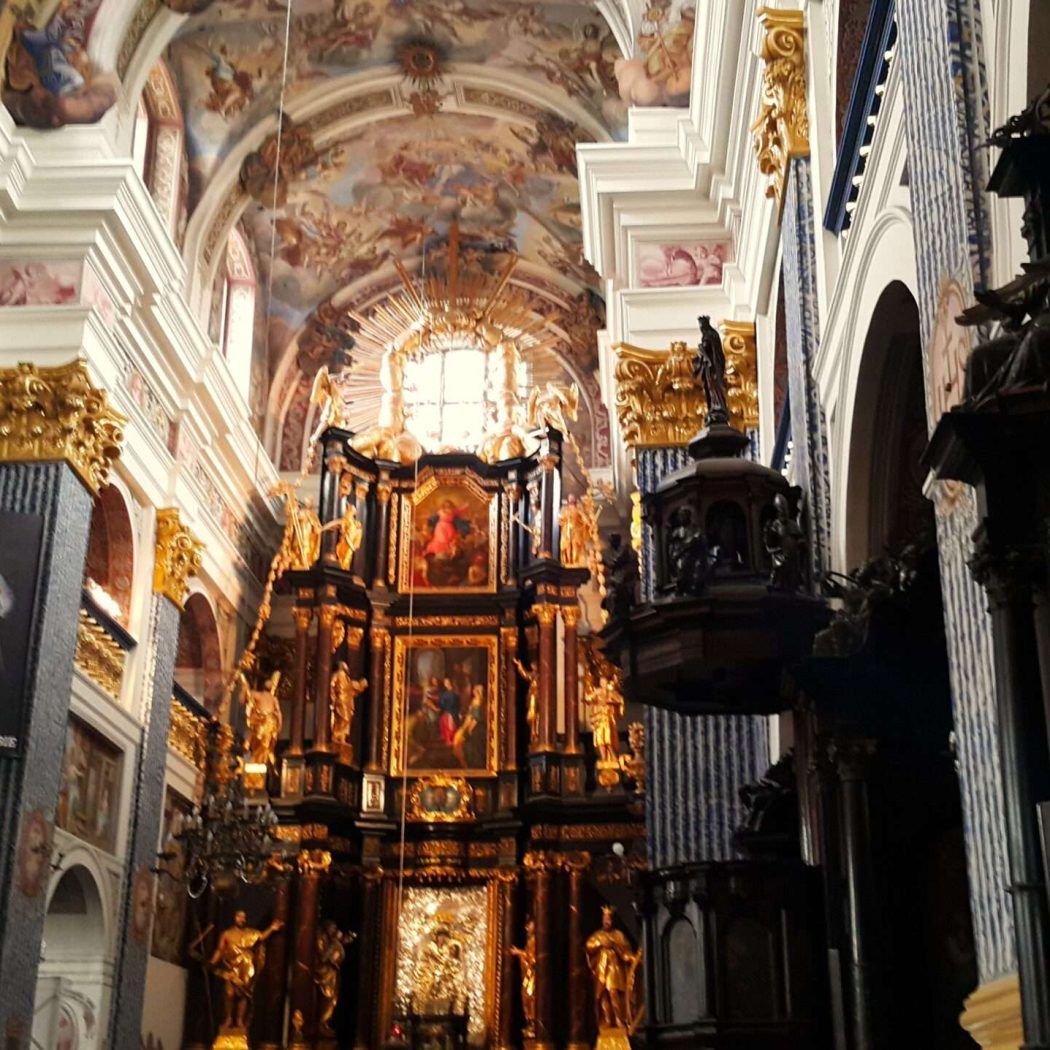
429 714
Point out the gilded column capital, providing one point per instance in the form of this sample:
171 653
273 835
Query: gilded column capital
571 615
782 128
658 401
539 862
178 556
57 413
545 613
738 342
313 861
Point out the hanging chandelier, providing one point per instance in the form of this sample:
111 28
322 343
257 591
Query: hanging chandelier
227 838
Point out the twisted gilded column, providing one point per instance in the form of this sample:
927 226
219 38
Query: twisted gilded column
58 440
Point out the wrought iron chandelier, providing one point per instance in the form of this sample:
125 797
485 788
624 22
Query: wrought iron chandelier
226 838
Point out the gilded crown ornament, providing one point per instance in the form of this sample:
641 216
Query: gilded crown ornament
178 557
782 128
57 413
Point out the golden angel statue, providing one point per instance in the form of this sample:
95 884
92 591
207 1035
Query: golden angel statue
263 713
343 692
236 961
526 956
350 532
575 533
331 954
614 965
327 394
532 704
553 405
604 707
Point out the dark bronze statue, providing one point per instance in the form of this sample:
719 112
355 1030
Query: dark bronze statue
710 369
688 555
785 542
621 579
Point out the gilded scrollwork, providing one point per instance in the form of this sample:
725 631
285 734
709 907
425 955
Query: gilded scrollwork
59 414
657 399
782 128
98 655
178 556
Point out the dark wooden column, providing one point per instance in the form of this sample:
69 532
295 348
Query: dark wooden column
508 989
579 985
571 616
547 668
550 493
1007 577
313 865
538 867
852 757
323 671
380 639
302 613
368 958
273 981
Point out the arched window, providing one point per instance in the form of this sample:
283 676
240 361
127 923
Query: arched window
448 396
110 564
198 663
233 311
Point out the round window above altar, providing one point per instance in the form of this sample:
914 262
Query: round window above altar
448 397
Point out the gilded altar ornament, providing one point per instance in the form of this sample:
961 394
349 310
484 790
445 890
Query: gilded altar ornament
236 961
343 692
98 655
633 764
49 414
741 354
177 557
553 405
441 799
636 523
390 439
350 532
614 966
327 394
532 703
331 954
575 533
507 438
187 734
605 707
263 714
438 983
657 399
782 128
301 543
526 957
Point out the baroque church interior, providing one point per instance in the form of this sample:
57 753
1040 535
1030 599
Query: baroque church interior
524 524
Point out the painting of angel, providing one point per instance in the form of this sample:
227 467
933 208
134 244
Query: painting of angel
681 265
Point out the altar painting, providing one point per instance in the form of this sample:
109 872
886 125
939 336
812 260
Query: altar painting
444 956
445 691
449 538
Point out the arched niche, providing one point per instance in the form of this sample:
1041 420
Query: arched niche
110 563
164 168
198 659
888 433
75 974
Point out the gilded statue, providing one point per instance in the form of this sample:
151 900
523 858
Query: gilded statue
263 713
350 532
327 394
613 964
301 545
236 961
526 956
605 707
575 533
532 703
554 406
331 954
439 977
343 692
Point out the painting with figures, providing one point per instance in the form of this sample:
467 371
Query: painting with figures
88 799
448 538
445 689
169 923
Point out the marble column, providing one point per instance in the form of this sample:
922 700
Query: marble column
368 957
268 1024
547 666
48 473
508 991
313 865
538 869
302 614
576 865
177 557
509 646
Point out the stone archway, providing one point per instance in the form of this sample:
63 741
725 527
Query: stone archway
110 561
198 661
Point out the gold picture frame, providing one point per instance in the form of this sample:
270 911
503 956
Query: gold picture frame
436 725
449 535
441 799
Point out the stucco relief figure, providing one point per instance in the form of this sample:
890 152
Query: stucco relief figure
710 369
439 977
343 694
236 961
263 712
331 954
526 956
613 964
